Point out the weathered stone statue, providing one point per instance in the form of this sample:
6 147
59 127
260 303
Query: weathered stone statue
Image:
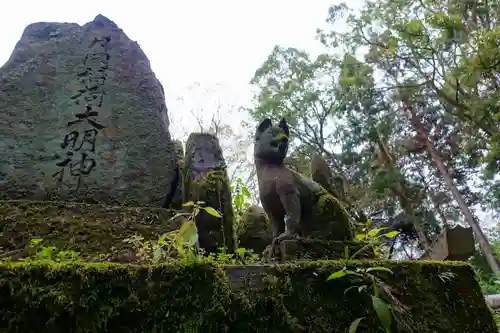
296 206
206 179
83 118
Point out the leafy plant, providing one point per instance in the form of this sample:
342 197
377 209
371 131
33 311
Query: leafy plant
241 202
365 280
37 251
180 243
373 238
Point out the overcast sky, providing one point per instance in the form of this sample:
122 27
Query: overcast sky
216 43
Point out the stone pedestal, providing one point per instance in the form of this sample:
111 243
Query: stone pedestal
315 249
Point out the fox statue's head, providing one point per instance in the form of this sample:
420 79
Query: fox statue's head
271 142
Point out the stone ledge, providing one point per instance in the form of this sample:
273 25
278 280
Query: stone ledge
296 298
91 229
315 249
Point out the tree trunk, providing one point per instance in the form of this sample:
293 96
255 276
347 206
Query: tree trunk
481 237
400 190
484 244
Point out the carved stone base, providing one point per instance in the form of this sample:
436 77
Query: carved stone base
456 243
314 249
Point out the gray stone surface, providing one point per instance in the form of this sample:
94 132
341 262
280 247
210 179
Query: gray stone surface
58 70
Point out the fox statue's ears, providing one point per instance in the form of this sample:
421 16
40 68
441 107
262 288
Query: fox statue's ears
284 126
266 123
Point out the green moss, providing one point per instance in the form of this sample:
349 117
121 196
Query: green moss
331 207
314 249
329 218
90 229
254 230
435 304
41 297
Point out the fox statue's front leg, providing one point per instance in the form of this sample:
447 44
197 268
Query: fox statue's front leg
291 220
291 203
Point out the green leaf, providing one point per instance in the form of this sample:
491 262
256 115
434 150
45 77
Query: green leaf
163 239
341 273
238 201
373 232
241 251
35 241
354 325
391 234
348 272
212 212
376 290
188 204
245 192
383 312
359 237
188 233
336 275
379 268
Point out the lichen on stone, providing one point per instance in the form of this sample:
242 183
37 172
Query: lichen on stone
44 85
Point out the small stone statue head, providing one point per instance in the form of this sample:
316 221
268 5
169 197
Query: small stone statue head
271 142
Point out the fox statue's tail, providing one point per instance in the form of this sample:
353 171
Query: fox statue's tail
322 174
335 185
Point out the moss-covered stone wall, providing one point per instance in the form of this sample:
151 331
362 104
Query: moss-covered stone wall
90 229
37 297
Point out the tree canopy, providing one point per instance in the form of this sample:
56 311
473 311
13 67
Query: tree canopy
404 106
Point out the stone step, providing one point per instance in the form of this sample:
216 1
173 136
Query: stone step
90 229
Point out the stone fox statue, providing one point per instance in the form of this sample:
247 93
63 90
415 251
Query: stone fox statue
295 205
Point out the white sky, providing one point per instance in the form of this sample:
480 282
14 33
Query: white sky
217 42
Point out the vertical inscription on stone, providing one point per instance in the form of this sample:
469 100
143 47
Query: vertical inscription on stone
79 143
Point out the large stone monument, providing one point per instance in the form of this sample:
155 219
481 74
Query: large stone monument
83 118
